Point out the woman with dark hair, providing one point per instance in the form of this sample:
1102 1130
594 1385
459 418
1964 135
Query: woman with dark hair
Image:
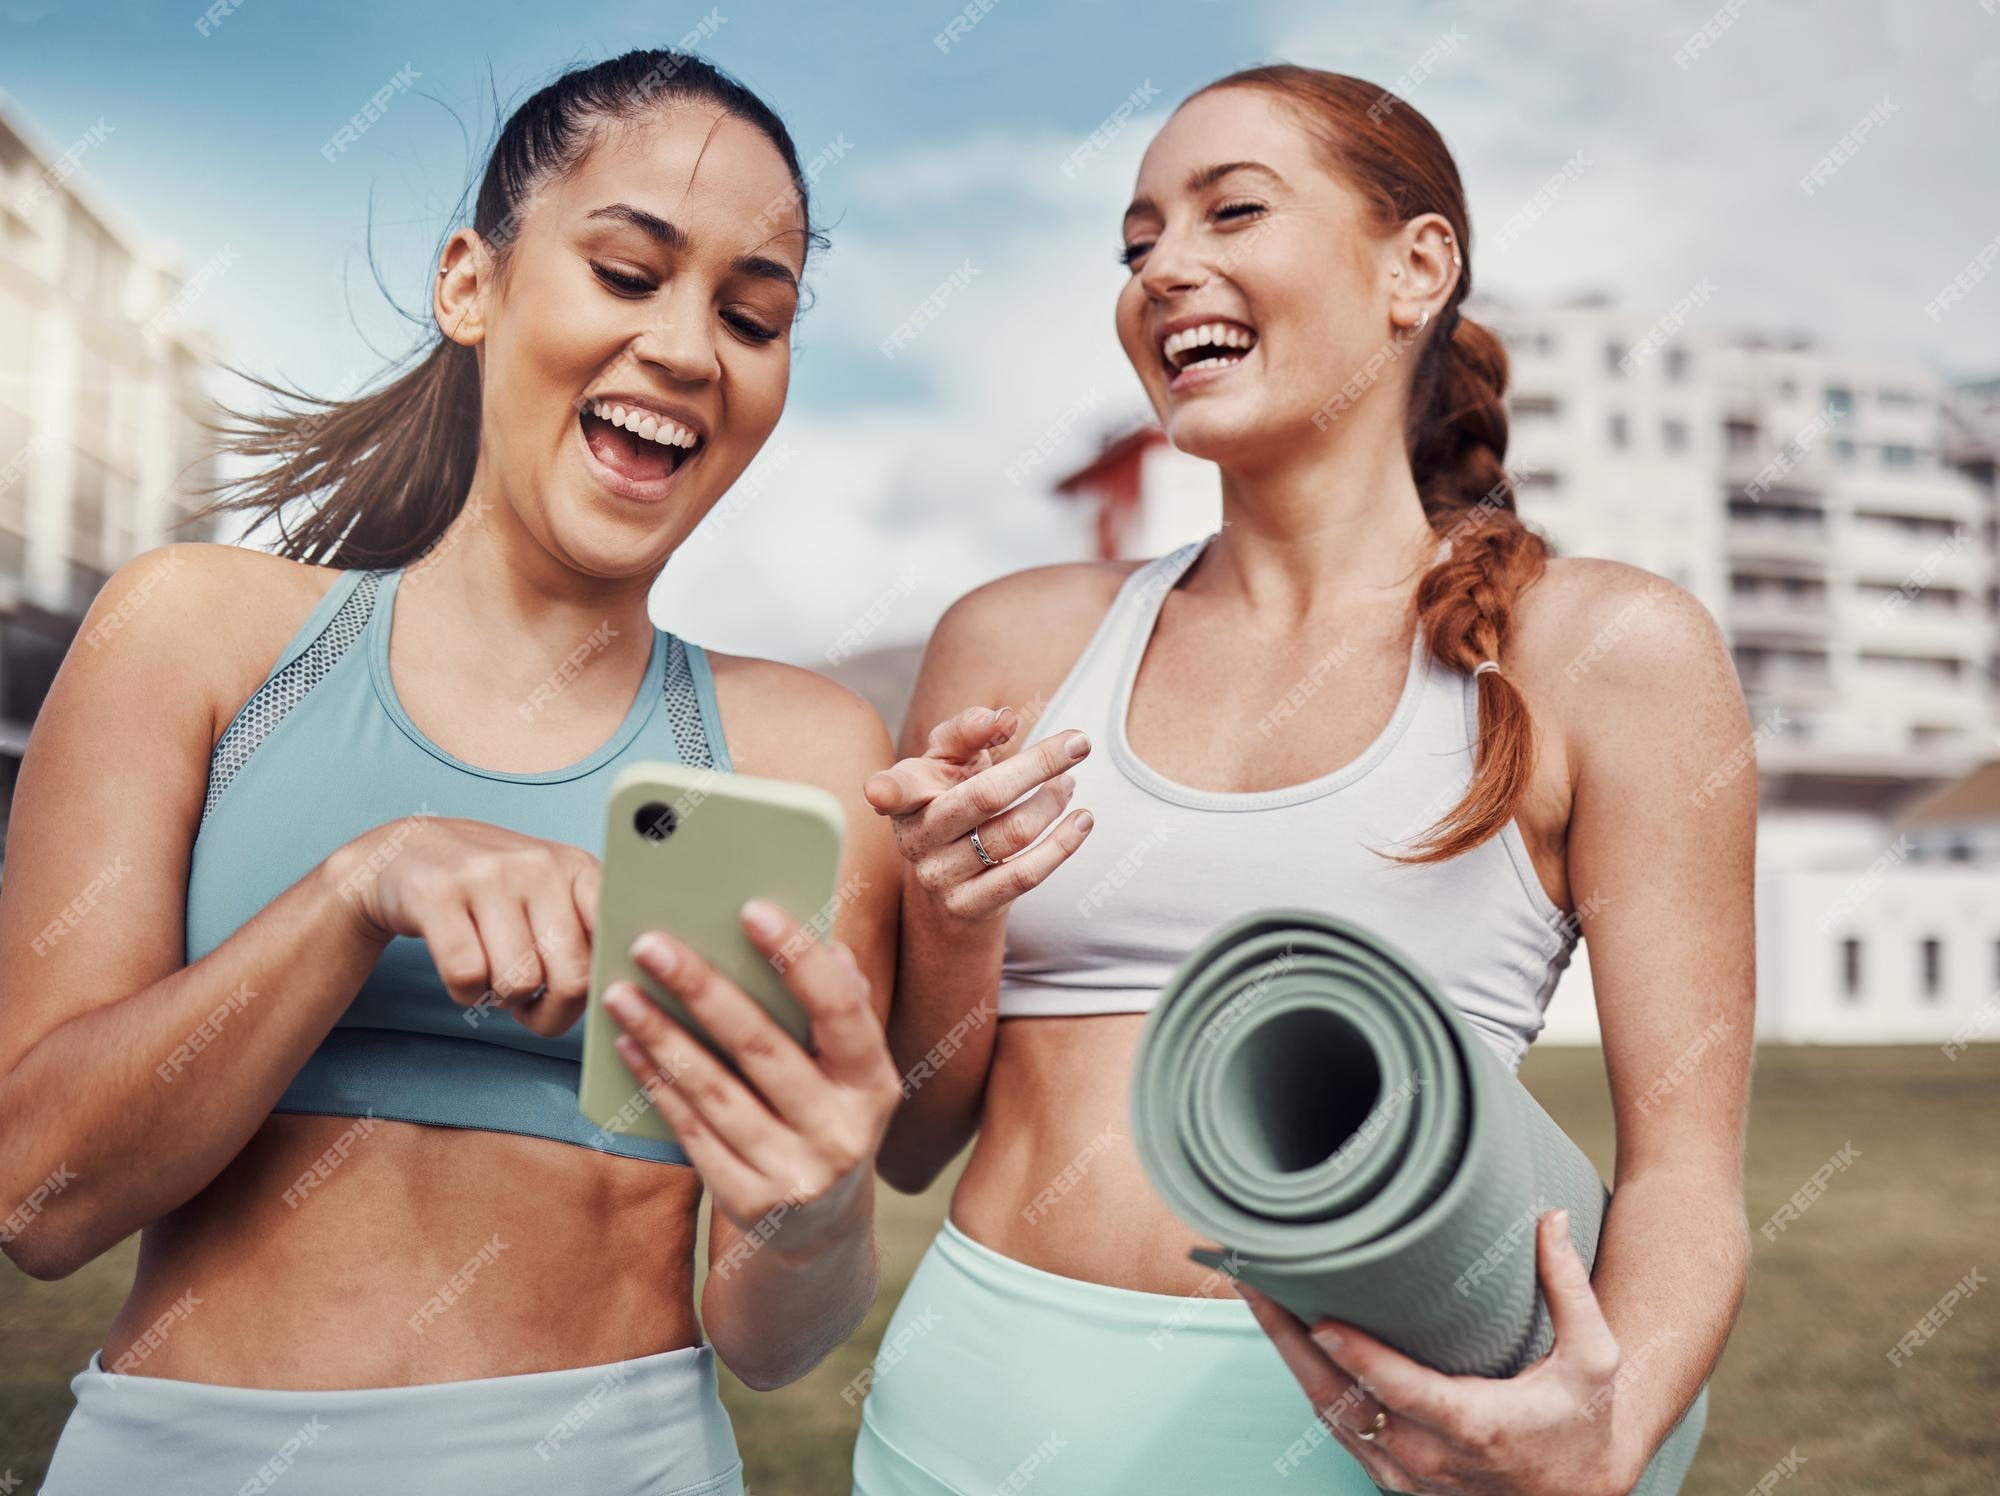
1370 691
318 1037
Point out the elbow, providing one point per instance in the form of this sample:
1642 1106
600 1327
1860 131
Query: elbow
904 1174
43 1254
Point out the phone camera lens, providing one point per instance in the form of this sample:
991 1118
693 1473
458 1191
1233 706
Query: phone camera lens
655 821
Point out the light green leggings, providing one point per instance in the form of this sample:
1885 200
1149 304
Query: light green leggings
997 1376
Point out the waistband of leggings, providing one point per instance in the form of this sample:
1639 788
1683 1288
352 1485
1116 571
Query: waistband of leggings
687 1372
1213 1307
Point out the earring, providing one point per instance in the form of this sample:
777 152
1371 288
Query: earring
1423 320
1398 270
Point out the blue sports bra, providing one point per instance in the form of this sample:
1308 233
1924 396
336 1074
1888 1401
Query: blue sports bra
322 752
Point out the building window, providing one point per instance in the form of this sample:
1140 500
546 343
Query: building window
1896 456
1619 430
1850 969
1677 364
1843 449
1933 969
1614 358
1675 434
1741 436
1839 401
1537 405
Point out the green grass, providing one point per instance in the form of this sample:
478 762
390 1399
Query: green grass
1806 1367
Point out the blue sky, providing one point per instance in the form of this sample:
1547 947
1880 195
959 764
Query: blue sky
891 469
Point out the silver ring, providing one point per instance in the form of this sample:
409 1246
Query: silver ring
984 856
1368 1434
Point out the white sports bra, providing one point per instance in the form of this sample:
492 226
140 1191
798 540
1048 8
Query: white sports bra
1166 863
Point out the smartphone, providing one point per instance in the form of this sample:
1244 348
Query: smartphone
684 850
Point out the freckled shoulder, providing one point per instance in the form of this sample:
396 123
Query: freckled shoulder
1010 642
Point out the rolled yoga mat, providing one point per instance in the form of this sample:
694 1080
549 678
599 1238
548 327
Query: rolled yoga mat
1306 1096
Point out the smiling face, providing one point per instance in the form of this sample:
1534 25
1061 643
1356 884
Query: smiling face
636 349
1258 285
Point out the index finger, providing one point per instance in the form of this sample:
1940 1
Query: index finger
991 791
847 1036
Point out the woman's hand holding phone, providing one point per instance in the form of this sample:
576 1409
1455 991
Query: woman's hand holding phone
790 1142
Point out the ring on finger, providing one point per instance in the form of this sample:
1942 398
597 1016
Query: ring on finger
985 856
1367 1435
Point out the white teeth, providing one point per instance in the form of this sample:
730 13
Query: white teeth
648 424
1211 334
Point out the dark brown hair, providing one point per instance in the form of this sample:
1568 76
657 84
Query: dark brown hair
382 475
1456 430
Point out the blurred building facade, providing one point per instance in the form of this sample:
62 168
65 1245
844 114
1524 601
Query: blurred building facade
101 400
1838 516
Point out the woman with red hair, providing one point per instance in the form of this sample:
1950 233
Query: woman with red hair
1362 693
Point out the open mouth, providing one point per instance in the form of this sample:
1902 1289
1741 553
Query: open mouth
1206 348
637 444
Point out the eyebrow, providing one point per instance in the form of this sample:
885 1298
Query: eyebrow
1202 178
674 237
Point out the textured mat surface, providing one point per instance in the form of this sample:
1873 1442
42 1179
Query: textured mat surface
1307 1097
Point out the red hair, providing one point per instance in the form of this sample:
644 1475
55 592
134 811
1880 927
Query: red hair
1455 430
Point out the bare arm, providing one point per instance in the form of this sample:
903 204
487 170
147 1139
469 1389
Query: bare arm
105 1070
1661 857
962 762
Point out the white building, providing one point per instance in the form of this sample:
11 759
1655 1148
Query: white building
1838 517
100 400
